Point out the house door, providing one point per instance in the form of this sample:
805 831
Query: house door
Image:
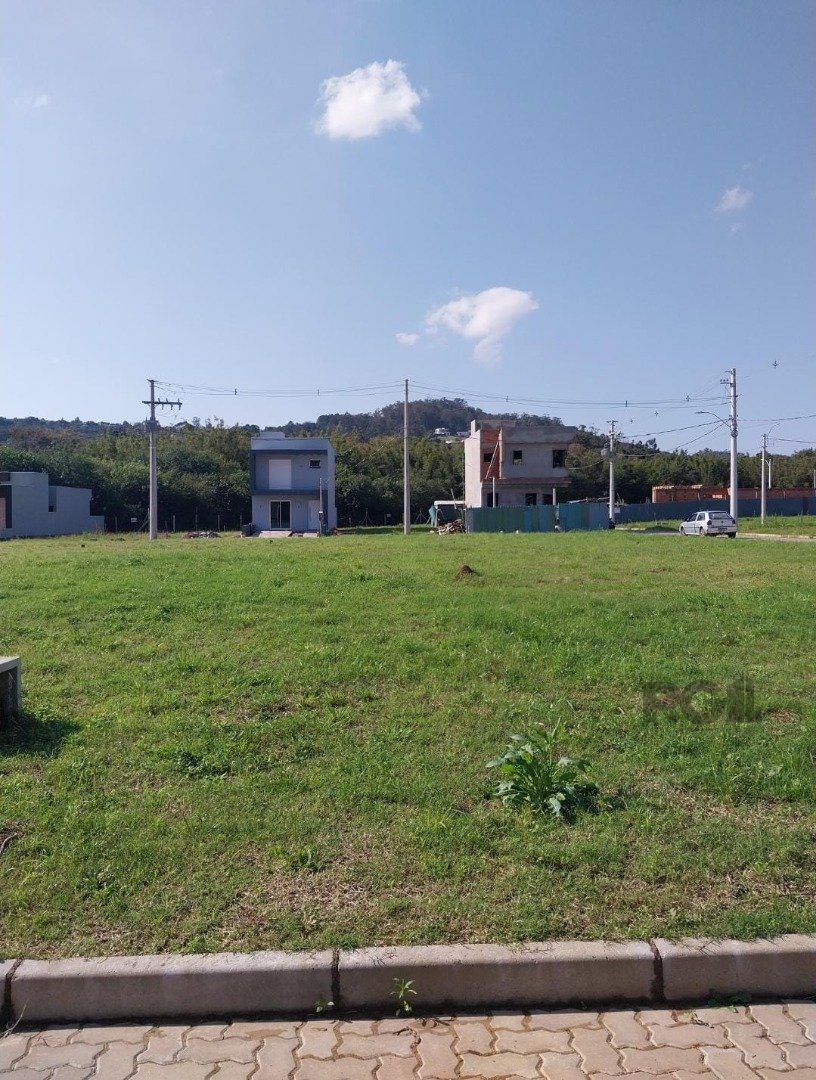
314 515
279 514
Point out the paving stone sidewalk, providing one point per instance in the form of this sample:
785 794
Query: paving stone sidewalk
760 1042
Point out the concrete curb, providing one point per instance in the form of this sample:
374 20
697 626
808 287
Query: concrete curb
450 977
126 987
471 976
699 967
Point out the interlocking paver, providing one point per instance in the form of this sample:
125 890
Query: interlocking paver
164 1043
318 1039
234 1070
562 1021
799 1074
71 1072
661 1017
799 1056
399 1025
210 1031
13 1047
804 1012
722 1014
276 1058
51 1057
663 1059
508 1022
263 1029
597 1053
533 1042
321 1069
685 1035
179 1070
764 1042
437 1061
624 1029
209 1050
56 1036
365 1027
396 1068
758 1050
123 1033
117 1061
376 1046
500 1065
562 1066
727 1064
779 1027
473 1038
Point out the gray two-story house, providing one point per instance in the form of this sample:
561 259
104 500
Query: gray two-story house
292 482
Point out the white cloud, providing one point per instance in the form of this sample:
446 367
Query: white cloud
484 317
368 101
407 339
734 199
33 101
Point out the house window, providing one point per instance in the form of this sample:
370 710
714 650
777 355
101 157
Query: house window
487 458
489 500
559 459
517 457
531 499
314 463
279 514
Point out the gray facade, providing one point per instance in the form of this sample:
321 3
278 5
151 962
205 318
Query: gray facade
525 466
293 484
30 506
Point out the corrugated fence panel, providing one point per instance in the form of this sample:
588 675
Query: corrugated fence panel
574 516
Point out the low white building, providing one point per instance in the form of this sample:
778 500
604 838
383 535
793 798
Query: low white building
521 466
30 506
292 482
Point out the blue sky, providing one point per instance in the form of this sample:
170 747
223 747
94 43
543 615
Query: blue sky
559 201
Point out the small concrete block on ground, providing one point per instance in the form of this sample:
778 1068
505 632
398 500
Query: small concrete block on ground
496 975
697 968
222 984
11 688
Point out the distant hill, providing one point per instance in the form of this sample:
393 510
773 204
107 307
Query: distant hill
425 416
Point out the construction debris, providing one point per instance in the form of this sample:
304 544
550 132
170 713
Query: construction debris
206 535
457 526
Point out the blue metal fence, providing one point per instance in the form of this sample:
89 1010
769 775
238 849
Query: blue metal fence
511 519
583 516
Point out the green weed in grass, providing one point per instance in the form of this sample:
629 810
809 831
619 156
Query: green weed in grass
535 777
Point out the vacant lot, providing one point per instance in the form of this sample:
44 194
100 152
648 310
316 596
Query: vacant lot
247 744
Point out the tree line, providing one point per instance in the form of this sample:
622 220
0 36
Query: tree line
204 466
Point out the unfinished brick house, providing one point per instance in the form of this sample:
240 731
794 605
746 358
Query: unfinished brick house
516 466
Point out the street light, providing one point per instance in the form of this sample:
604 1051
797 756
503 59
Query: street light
731 424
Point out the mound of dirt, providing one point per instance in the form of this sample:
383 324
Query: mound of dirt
466 571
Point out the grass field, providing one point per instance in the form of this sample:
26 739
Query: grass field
249 744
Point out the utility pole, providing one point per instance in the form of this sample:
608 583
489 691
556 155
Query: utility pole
731 381
611 474
762 496
406 469
152 427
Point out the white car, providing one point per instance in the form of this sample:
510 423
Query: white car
709 523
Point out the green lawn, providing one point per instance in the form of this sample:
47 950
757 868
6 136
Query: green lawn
251 744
